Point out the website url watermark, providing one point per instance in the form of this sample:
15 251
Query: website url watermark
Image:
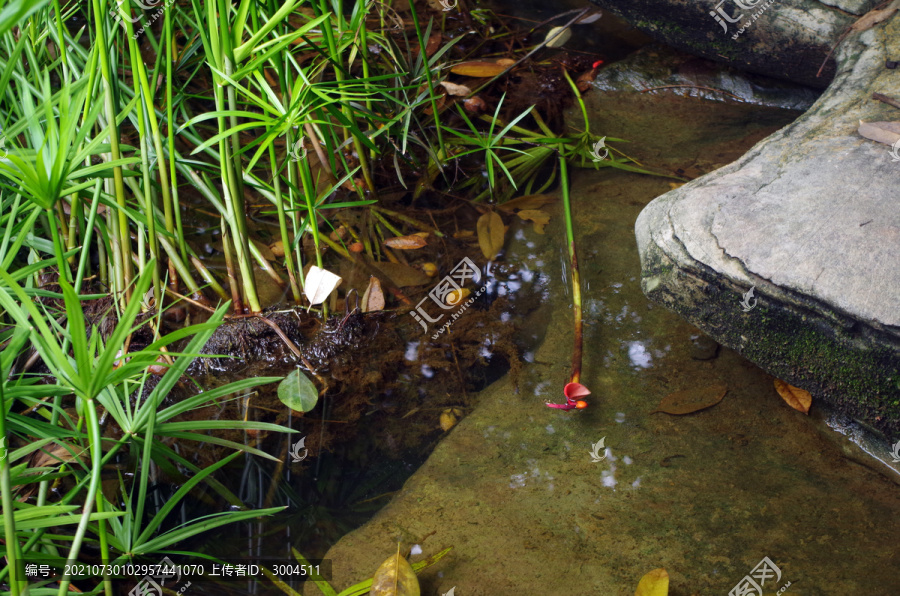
117 13
720 14
449 294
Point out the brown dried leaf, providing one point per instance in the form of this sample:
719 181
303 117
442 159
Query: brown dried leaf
411 242
454 89
526 202
691 400
491 234
481 70
540 218
882 132
873 17
373 298
797 398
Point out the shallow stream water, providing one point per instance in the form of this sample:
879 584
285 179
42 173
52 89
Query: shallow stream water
708 496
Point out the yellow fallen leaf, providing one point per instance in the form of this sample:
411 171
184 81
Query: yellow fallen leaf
797 398
540 218
395 577
491 234
478 69
456 296
654 583
691 400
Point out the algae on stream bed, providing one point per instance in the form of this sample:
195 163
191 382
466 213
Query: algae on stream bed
707 495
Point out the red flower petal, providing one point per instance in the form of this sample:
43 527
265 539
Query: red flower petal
575 390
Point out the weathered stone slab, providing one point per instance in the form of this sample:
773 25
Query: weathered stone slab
809 218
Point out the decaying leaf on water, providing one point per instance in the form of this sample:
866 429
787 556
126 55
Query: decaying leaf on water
687 401
395 577
411 242
320 283
797 398
540 218
558 36
882 132
454 89
529 209
373 298
654 583
491 234
478 69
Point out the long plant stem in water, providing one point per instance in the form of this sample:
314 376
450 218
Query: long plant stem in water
576 276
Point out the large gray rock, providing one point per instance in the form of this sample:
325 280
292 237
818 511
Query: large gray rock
786 39
810 218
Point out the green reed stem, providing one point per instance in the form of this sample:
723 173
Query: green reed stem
9 520
429 79
118 222
576 275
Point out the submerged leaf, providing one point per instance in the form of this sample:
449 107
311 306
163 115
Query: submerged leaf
691 400
654 583
797 398
490 234
558 36
589 18
297 392
528 202
320 283
406 242
540 218
402 275
454 89
478 69
395 577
